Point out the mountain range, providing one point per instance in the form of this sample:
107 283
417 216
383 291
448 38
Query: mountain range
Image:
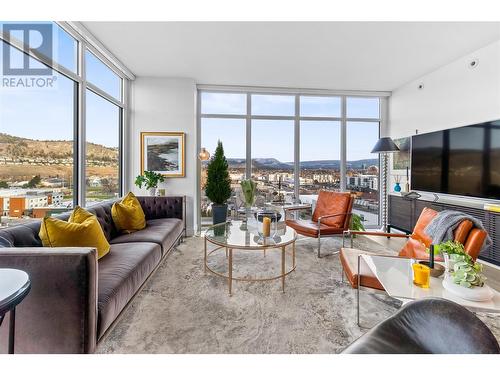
24 148
272 163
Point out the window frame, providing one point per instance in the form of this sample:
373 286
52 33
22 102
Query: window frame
85 43
297 118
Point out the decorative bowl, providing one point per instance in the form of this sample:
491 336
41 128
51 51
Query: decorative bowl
438 269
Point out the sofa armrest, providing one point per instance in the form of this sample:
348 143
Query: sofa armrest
59 315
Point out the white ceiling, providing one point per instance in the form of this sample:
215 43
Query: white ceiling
331 55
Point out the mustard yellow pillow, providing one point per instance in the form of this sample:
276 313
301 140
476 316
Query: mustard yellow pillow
128 215
81 230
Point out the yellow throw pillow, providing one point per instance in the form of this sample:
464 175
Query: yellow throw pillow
128 215
81 230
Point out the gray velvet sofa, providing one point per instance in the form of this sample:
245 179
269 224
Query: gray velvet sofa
75 299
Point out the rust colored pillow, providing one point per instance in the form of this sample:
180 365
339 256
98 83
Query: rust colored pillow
329 203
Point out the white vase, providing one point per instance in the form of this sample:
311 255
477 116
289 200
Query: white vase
449 263
152 192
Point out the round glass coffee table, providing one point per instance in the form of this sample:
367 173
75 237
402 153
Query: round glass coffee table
237 235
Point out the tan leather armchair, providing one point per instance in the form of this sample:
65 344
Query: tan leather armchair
415 247
331 216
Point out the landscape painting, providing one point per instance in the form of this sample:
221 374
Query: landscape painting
401 159
163 152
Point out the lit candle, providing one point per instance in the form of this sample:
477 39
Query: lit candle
266 226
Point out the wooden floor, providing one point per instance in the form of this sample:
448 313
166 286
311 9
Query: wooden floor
491 272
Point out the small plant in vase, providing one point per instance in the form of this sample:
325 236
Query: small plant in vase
248 188
397 181
150 180
463 270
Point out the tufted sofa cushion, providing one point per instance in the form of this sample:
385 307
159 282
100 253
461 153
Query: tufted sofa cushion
103 213
162 207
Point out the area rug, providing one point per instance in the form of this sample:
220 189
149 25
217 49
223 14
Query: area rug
183 310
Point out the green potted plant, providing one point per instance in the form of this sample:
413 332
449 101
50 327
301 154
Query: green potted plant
357 223
248 188
150 180
463 269
218 186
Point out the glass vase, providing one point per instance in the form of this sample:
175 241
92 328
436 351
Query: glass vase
266 223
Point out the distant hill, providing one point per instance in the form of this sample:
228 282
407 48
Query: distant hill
272 163
15 148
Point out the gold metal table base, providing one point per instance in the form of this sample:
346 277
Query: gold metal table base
229 255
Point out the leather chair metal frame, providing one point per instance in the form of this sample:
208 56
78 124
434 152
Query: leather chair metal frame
287 210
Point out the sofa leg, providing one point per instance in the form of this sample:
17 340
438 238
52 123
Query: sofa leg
319 246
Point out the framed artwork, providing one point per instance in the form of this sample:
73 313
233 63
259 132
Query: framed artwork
163 152
401 159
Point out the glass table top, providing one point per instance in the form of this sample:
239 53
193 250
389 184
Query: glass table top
396 276
237 234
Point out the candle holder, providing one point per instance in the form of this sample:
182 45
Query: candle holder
421 275
266 223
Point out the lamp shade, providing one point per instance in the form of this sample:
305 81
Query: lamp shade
204 154
385 144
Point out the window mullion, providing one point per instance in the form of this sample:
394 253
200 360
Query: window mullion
248 164
296 176
343 146
80 177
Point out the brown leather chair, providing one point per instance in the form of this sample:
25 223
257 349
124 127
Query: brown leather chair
331 216
415 247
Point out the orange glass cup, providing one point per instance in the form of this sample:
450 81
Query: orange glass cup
421 275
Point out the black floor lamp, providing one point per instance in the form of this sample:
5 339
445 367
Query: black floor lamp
384 146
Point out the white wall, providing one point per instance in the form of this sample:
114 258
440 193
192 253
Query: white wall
165 104
454 95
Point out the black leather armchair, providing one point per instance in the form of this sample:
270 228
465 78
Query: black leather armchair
428 326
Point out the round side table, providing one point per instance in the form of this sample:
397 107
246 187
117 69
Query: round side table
14 286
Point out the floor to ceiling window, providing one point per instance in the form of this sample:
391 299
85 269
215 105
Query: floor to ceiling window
294 145
50 114
102 142
362 169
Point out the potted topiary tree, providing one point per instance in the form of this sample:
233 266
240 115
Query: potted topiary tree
218 186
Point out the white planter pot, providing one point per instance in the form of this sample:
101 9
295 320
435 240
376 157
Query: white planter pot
152 192
475 294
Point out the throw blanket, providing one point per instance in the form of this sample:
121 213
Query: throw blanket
441 228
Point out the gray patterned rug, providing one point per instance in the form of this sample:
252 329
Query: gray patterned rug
182 310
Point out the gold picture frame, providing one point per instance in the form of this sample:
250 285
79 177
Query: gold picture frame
164 152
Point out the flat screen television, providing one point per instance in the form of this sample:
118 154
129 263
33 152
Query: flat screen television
459 161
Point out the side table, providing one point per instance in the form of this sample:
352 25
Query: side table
14 287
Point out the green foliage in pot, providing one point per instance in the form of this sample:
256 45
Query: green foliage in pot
218 186
466 272
357 223
149 179
451 248
248 187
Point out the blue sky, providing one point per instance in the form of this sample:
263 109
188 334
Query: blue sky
319 140
48 113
